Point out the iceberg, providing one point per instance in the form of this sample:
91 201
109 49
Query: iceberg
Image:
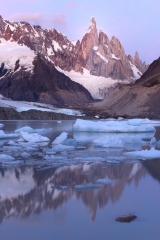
25 129
4 157
60 148
108 142
33 137
60 138
144 154
111 126
4 135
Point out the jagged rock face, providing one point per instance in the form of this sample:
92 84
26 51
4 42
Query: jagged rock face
95 52
43 83
107 58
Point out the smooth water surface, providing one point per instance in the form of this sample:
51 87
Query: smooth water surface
31 209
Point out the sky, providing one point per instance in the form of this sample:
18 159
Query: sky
136 23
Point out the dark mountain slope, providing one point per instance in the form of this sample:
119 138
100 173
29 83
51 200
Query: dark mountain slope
44 84
140 99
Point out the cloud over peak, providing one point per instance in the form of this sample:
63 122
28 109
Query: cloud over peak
55 20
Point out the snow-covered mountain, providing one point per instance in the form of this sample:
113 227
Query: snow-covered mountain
96 62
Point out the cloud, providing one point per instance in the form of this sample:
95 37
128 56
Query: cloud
70 4
55 20
34 18
58 20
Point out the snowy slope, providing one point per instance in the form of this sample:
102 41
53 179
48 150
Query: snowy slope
92 83
10 52
20 106
136 72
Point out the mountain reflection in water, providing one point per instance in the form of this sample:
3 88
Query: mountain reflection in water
24 191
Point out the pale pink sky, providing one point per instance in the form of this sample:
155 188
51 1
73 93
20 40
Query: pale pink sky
135 23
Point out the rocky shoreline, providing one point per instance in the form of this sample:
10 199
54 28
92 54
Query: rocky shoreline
88 113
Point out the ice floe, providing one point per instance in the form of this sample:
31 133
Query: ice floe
35 137
144 154
60 138
4 157
25 129
4 135
109 142
61 147
112 126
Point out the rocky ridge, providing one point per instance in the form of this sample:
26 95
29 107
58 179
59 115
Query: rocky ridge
98 54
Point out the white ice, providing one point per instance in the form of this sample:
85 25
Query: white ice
4 135
60 138
92 83
34 137
4 157
144 154
111 126
61 148
108 142
25 129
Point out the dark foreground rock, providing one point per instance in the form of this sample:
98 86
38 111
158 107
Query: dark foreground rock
127 218
11 114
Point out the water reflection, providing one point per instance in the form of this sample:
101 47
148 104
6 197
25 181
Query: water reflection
24 191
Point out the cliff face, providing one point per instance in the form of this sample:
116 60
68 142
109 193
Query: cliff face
101 56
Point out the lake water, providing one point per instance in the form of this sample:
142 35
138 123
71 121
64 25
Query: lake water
30 209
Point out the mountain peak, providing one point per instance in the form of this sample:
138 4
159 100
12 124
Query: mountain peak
92 21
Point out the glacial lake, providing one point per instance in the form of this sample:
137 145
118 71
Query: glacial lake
35 206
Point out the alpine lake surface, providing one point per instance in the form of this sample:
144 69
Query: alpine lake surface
76 189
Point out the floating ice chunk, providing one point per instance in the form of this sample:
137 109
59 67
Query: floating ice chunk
144 154
134 122
4 135
12 143
72 142
92 159
28 144
87 186
105 181
108 142
59 187
153 142
51 157
59 121
12 148
49 151
1 125
111 126
21 140
34 137
4 157
25 129
41 131
60 138
60 148
25 155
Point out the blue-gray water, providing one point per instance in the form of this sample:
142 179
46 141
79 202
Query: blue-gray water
31 209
